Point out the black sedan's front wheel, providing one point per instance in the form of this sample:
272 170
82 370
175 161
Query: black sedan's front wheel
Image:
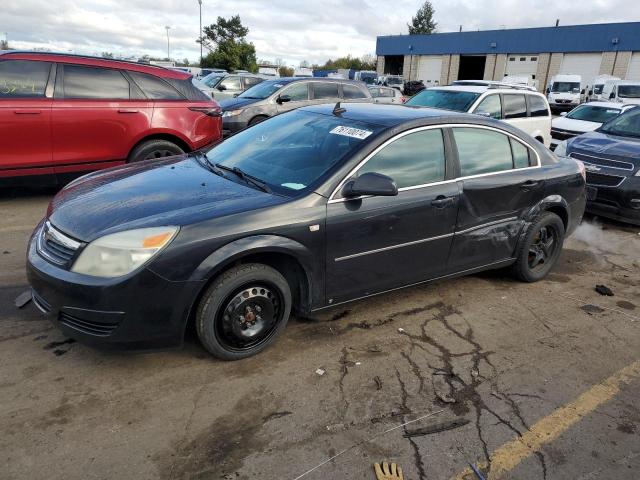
243 311
540 248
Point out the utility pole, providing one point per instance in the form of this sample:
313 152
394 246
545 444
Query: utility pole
200 3
167 27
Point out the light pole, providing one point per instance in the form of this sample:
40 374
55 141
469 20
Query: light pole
200 3
167 27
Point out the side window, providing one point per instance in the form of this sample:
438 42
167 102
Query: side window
375 92
231 83
352 92
515 106
23 78
388 92
325 90
97 83
538 106
415 159
154 87
521 154
482 151
491 106
251 81
298 92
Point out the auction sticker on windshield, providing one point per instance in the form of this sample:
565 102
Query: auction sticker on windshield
351 132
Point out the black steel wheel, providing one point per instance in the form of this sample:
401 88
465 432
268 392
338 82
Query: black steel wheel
243 311
154 149
540 248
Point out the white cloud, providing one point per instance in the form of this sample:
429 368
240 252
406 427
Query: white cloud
314 30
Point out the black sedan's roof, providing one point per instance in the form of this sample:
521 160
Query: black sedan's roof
388 115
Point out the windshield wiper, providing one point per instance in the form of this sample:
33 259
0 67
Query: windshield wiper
256 182
204 161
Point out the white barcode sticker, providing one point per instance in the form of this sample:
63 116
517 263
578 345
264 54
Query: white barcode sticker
351 132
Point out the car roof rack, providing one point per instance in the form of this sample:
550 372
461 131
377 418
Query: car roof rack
492 84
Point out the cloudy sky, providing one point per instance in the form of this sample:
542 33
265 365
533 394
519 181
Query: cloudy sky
293 30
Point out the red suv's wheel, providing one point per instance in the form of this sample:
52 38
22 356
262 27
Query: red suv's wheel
154 149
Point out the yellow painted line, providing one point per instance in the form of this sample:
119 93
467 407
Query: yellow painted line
511 454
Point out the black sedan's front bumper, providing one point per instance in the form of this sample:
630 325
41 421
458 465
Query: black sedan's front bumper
621 202
141 311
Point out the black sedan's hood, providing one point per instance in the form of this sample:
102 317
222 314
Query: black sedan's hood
605 144
237 103
175 191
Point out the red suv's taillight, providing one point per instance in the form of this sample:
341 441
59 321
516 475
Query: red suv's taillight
208 111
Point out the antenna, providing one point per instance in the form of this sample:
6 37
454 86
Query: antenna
338 110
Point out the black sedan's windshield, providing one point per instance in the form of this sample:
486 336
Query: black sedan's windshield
293 150
592 113
262 90
455 100
626 125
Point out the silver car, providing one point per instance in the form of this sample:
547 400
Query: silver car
386 95
224 86
272 97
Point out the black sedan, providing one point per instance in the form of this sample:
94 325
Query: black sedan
307 210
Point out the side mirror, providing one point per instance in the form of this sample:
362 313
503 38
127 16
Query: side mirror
582 92
283 99
222 88
548 90
563 114
590 92
612 95
370 183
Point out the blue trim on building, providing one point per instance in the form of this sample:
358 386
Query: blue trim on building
568 39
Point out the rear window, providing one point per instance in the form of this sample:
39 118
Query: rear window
455 100
538 106
515 106
23 79
154 87
96 83
352 92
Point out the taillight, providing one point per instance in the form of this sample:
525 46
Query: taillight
582 170
403 99
208 111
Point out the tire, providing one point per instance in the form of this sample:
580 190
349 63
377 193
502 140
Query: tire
256 120
154 149
540 248
229 319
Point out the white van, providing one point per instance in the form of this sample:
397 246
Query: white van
564 92
519 106
595 93
622 91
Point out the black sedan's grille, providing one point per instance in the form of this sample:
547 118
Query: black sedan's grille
98 329
603 180
55 246
559 134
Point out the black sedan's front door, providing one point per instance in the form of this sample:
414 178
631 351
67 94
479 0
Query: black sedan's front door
380 243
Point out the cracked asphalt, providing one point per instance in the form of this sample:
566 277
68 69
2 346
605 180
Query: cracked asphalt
480 361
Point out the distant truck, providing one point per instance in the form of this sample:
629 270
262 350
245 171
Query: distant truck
564 92
303 72
595 93
269 71
367 76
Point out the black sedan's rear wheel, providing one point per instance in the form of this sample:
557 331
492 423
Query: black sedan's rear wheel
243 311
540 248
152 149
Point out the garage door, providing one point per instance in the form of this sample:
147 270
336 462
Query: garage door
522 66
429 68
634 67
587 65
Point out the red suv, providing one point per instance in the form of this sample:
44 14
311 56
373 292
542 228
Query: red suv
66 114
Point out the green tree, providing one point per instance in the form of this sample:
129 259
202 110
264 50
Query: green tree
423 23
4 45
107 55
228 47
367 62
285 71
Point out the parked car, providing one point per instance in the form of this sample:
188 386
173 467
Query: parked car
611 155
564 92
61 115
208 71
227 86
386 95
521 107
304 211
622 91
273 97
367 76
394 81
202 87
584 118
412 87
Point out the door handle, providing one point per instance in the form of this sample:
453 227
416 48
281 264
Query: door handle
27 111
441 201
127 110
529 184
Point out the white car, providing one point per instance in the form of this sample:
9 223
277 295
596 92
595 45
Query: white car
622 91
519 106
386 95
584 118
